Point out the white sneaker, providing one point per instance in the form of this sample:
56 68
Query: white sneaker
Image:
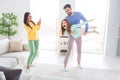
28 71
79 66
65 70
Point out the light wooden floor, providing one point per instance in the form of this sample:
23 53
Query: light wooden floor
88 60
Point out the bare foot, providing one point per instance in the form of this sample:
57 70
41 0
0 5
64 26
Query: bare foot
28 67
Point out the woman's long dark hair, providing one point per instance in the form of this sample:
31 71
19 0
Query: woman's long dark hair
26 18
68 27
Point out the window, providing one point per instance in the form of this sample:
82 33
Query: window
93 43
48 11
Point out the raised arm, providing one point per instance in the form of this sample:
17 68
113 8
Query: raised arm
84 20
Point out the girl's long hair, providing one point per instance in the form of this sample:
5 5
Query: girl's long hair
26 18
68 27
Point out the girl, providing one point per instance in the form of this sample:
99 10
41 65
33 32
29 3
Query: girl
33 40
74 32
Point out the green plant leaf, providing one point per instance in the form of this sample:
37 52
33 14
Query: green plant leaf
7 23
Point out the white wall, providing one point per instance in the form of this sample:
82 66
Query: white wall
113 22
18 7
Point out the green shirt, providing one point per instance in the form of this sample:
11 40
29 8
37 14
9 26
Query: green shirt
77 28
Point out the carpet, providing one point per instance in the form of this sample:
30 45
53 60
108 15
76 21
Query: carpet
75 73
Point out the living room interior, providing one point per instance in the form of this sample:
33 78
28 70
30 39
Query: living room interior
100 52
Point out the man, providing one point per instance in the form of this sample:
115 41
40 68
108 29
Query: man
74 18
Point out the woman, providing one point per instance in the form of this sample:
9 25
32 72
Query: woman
33 38
74 32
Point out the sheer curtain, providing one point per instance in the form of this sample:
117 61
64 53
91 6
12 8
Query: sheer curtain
48 10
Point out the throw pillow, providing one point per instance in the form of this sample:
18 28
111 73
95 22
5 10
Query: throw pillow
2 76
16 46
26 47
11 74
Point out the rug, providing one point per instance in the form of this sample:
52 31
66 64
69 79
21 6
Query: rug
76 73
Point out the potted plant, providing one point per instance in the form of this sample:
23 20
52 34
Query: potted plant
8 22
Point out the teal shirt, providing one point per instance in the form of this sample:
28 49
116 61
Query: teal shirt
77 28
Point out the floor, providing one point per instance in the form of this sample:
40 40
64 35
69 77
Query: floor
88 60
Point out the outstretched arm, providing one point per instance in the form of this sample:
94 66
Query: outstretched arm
90 20
82 24
84 33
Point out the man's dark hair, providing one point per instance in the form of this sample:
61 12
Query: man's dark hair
67 6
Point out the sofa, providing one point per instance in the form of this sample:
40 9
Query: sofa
13 57
13 53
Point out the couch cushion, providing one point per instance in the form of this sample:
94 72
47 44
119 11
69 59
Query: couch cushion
4 46
21 57
16 46
8 62
11 74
